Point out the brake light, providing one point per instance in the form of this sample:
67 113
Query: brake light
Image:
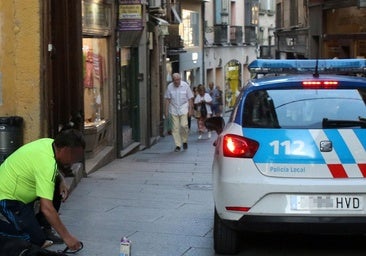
320 84
237 208
238 146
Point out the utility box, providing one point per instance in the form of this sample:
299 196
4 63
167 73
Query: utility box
11 135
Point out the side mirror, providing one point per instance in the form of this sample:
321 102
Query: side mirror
215 123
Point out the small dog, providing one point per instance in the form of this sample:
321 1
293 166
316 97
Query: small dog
18 247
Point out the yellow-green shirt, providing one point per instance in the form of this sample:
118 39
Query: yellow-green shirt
29 172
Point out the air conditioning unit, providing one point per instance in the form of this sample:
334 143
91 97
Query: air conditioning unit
154 3
361 4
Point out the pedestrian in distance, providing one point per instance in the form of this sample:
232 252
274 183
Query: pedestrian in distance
202 102
179 105
194 90
29 174
216 96
195 113
220 102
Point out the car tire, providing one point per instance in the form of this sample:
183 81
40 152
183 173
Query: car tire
226 240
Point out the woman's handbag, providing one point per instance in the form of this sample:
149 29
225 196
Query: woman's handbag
197 114
203 110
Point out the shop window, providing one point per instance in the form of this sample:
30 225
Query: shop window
96 80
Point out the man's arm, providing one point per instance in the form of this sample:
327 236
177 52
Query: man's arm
167 102
190 107
64 191
53 218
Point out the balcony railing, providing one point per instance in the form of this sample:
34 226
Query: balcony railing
236 35
250 35
174 42
221 35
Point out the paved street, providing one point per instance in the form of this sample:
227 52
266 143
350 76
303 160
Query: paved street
160 199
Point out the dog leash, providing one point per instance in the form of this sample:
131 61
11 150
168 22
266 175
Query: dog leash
68 251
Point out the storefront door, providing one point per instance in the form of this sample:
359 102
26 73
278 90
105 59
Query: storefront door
128 110
62 58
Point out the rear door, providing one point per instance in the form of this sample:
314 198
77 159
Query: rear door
307 133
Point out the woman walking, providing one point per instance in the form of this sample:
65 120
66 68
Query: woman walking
203 102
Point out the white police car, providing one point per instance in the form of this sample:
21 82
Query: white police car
292 156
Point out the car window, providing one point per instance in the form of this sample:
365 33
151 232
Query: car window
298 108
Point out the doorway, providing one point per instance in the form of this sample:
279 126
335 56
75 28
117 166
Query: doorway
128 111
62 59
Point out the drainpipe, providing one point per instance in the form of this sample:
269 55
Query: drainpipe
203 14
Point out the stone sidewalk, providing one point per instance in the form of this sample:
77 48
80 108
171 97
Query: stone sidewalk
160 199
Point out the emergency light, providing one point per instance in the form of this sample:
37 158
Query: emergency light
329 66
319 84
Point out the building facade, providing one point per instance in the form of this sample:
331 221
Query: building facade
103 65
235 33
320 29
96 64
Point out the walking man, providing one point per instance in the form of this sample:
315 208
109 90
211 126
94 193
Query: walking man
179 105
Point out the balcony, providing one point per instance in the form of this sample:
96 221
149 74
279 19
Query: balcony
250 35
174 42
221 35
236 35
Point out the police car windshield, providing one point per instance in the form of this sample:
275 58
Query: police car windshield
297 108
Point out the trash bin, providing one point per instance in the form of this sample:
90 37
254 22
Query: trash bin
11 135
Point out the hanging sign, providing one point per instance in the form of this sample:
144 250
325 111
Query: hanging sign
130 15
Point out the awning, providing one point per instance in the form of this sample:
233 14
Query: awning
162 25
159 21
176 15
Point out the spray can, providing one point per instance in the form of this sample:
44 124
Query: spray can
125 247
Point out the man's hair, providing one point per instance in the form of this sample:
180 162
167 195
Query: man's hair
176 76
70 138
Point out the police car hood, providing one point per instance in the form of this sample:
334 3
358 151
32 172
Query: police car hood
310 153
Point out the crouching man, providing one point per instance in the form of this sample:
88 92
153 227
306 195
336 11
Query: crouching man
29 174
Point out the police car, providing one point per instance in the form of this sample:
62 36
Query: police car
292 155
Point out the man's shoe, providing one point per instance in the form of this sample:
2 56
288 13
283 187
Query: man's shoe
209 135
177 149
53 236
185 145
46 244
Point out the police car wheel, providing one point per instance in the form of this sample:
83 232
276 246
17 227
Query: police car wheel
226 240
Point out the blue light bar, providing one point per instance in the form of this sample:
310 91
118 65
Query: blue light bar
334 66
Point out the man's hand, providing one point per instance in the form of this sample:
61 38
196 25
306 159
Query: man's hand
53 218
72 243
64 191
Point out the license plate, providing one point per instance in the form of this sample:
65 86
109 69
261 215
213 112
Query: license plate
327 202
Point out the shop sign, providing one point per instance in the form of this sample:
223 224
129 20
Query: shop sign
130 15
290 41
96 18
